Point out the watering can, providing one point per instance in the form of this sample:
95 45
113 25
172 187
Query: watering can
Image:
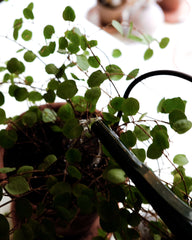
176 214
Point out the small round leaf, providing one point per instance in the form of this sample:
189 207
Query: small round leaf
67 89
27 35
48 31
148 54
29 56
69 14
116 175
180 159
130 106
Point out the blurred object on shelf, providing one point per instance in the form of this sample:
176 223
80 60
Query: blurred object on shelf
146 15
109 11
175 10
105 11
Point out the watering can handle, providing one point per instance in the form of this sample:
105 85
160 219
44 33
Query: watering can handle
172 210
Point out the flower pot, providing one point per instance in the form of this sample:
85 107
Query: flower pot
174 10
108 13
83 226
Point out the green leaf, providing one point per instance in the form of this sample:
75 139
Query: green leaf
168 105
83 42
148 54
53 84
2 98
47 50
92 95
35 96
25 171
180 159
23 209
7 138
182 126
2 69
96 79
92 43
132 74
29 56
28 80
82 62
94 61
73 48
175 116
29 118
160 136
60 188
154 151
128 139
85 203
49 115
21 94
44 51
73 155
72 129
63 43
2 116
114 72
49 96
48 31
139 153
15 66
117 26
179 122
116 53
130 106
109 215
142 132
27 12
79 103
17 185
1 193
74 172
27 35
116 103
51 69
66 112
47 162
69 14
4 228
17 26
115 175
73 37
7 169
110 118
67 89
23 233
164 42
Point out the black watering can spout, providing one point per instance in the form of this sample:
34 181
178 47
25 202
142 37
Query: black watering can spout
174 212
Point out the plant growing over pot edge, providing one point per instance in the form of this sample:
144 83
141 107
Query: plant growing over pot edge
63 190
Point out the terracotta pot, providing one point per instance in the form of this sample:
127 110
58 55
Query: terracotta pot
84 227
107 13
170 5
174 10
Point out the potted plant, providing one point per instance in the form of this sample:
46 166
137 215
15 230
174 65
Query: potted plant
53 168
